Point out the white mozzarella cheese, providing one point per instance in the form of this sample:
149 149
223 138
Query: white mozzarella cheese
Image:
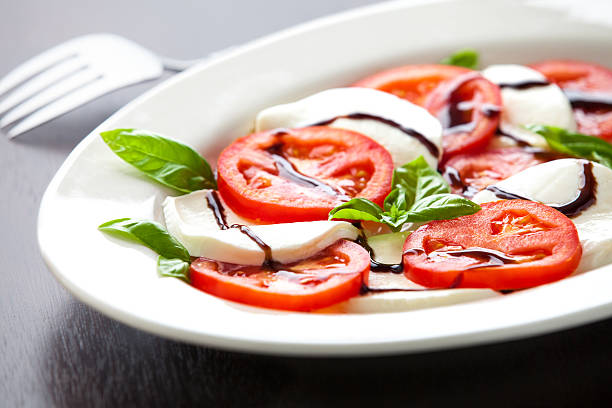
388 249
192 222
558 182
545 105
344 101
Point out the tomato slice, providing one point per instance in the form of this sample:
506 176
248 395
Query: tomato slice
469 173
510 244
412 82
468 107
333 275
301 174
582 81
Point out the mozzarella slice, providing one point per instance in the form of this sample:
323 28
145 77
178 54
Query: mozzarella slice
558 182
337 102
545 105
388 249
193 223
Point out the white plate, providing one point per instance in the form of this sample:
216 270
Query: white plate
210 105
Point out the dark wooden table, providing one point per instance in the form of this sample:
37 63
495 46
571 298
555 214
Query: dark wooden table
55 351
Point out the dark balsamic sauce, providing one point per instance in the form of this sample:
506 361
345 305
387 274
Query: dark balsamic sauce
376 266
532 83
452 176
491 257
504 195
287 171
519 142
586 195
214 203
453 116
589 100
431 147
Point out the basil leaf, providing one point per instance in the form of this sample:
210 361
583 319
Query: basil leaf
441 207
419 180
169 162
357 209
394 219
396 198
174 268
147 233
466 57
575 144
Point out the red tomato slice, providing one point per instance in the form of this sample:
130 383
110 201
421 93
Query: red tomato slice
507 245
412 82
592 119
468 107
469 173
301 174
333 275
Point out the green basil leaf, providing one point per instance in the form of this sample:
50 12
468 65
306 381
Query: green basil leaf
356 209
575 144
174 268
466 57
441 207
169 162
419 180
395 220
396 198
147 233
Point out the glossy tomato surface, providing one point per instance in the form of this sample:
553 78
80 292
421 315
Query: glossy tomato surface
333 275
581 81
301 174
412 82
510 244
469 173
468 106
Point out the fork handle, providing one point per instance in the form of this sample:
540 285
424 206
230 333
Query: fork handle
177 65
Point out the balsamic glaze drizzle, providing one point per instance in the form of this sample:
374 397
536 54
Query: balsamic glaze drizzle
214 203
431 147
531 83
586 194
376 266
493 257
452 116
287 171
452 176
589 100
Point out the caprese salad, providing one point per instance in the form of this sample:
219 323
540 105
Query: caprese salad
418 186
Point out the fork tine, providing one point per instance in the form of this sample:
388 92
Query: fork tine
40 82
50 94
37 64
59 107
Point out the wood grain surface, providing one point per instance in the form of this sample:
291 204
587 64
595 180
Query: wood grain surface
55 351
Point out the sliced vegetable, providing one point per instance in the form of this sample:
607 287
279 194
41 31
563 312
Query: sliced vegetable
507 245
334 275
469 173
468 106
412 82
301 174
167 161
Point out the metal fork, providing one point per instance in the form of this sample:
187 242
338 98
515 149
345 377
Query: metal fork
72 74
